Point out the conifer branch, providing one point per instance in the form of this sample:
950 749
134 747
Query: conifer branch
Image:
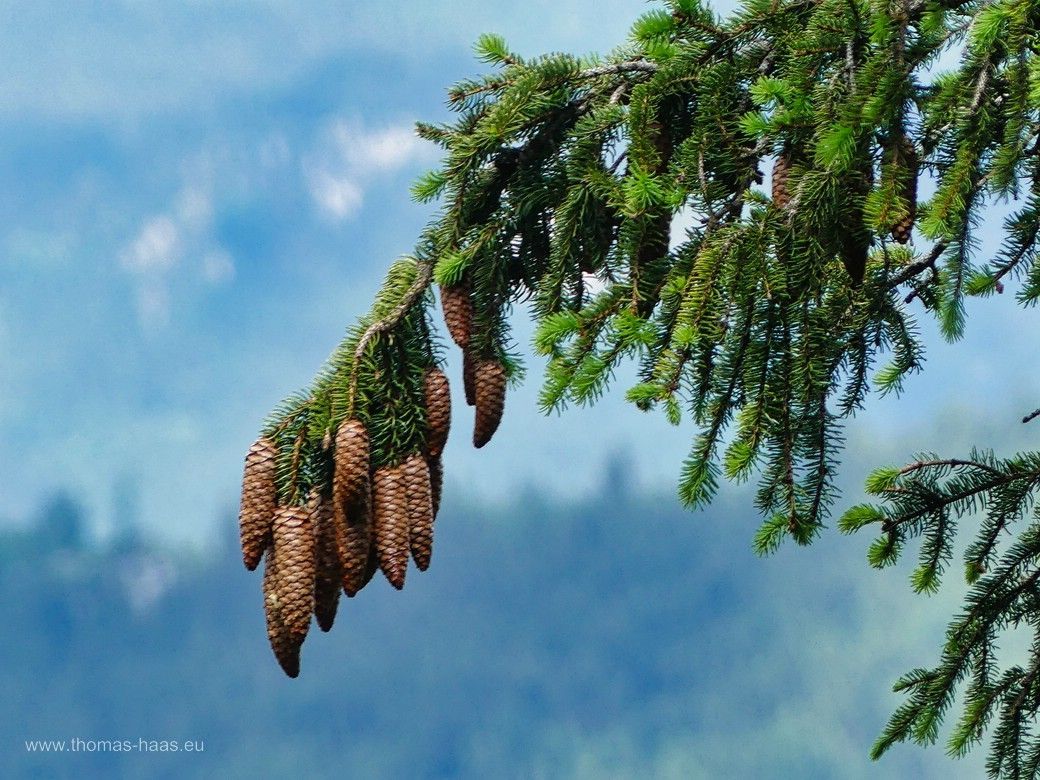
423 278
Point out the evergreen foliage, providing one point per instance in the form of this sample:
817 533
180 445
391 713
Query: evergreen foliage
769 320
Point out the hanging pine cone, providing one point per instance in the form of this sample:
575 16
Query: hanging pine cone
458 312
259 499
420 509
351 502
781 173
294 548
371 564
906 159
355 546
390 522
327 577
438 410
490 392
351 462
286 648
436 483
469 383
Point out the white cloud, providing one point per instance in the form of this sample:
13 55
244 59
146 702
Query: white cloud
348 157
156 256
380 151
155 250
337 196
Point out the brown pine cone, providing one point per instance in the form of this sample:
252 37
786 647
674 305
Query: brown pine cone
469 384
781 173
907 160
286 648
438 410
294 547
355 545
458 312
436 483
259 499
351 501
420 509
390 522
371 565
490 391
327 577
351 462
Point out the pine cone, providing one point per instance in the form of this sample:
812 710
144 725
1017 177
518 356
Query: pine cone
458 312
371 564
259 499
355 545
781 172
294 548
438 410
907 160
390 522
286 648
468 378
490 381
351 501
350 472
436 483
420 509
327 577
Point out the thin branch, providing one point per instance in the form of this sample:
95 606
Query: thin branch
629 66
924 264
949 462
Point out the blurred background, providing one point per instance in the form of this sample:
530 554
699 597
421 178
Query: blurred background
198 199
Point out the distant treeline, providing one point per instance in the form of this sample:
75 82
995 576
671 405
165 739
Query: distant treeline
616 636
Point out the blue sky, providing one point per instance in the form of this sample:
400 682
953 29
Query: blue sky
199 198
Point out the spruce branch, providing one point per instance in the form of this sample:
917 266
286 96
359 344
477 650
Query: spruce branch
423 278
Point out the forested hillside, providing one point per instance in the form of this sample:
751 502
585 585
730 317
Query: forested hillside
617 635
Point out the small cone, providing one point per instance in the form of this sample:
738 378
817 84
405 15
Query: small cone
259 499
490 381
295 553
327 577
458 313
902 230
436 483
781 173
390 523
438 410
420 509
351 502
286 650
469 382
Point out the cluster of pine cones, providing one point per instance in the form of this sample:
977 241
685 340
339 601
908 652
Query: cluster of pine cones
484 380
365 519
